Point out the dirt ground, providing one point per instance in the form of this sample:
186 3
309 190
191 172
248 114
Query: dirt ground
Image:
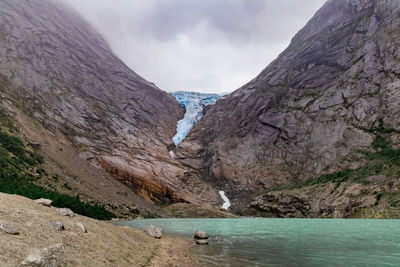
173 252
105 244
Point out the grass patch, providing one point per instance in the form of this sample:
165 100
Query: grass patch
16 161
20 186
384 161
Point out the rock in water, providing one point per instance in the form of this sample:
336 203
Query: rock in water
201 238
52 256
200 235
8 228
44 202
81 226
58 226
66 212
202 241
154 231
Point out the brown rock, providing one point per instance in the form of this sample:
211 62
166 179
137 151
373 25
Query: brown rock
200 235
44 202
52 256
81 226
66 212
58 226
8 228
154 231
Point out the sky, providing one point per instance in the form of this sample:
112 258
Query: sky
208 46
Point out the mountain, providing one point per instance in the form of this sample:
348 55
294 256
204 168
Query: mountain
316 133
92 117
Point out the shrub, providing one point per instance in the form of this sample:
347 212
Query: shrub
16 179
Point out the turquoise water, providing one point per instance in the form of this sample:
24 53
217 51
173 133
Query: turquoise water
289 242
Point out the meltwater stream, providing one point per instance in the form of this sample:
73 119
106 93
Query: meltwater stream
288 242
227 203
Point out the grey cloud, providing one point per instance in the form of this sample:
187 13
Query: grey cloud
205 45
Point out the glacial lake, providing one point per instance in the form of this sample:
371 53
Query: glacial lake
288 242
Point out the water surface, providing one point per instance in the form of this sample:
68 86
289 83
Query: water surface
289 242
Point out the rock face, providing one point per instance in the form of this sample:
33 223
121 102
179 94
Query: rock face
52 256
8 228
330 200
60 71
310 110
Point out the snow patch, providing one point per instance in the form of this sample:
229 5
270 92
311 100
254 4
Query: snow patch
227 203
194 103
172 154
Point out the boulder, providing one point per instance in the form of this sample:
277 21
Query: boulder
202 241
200 235
44 202
154 231
66 212
81 226
58 226
8 228
52 256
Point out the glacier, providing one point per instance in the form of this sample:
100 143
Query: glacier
194 104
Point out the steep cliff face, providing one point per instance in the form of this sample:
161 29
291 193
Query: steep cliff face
311 110
58 70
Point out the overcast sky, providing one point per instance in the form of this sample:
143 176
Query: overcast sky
198 45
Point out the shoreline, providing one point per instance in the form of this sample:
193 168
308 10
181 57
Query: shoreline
104 244
173 251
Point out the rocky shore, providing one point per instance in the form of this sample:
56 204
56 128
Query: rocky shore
79 241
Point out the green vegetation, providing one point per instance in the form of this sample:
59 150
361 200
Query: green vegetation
5 122
16 175
149 215
384 161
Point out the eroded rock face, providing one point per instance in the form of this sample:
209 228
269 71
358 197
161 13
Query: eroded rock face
319 201
309 109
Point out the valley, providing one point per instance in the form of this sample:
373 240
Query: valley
85 140
315 134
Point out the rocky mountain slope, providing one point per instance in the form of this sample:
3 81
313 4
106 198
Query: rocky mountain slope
323 106
91 115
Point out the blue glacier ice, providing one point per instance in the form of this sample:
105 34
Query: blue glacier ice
194 103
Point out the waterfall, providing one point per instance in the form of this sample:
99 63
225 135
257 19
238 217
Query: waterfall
227 203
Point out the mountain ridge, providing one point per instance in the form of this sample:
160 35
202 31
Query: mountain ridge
93 112
309 112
